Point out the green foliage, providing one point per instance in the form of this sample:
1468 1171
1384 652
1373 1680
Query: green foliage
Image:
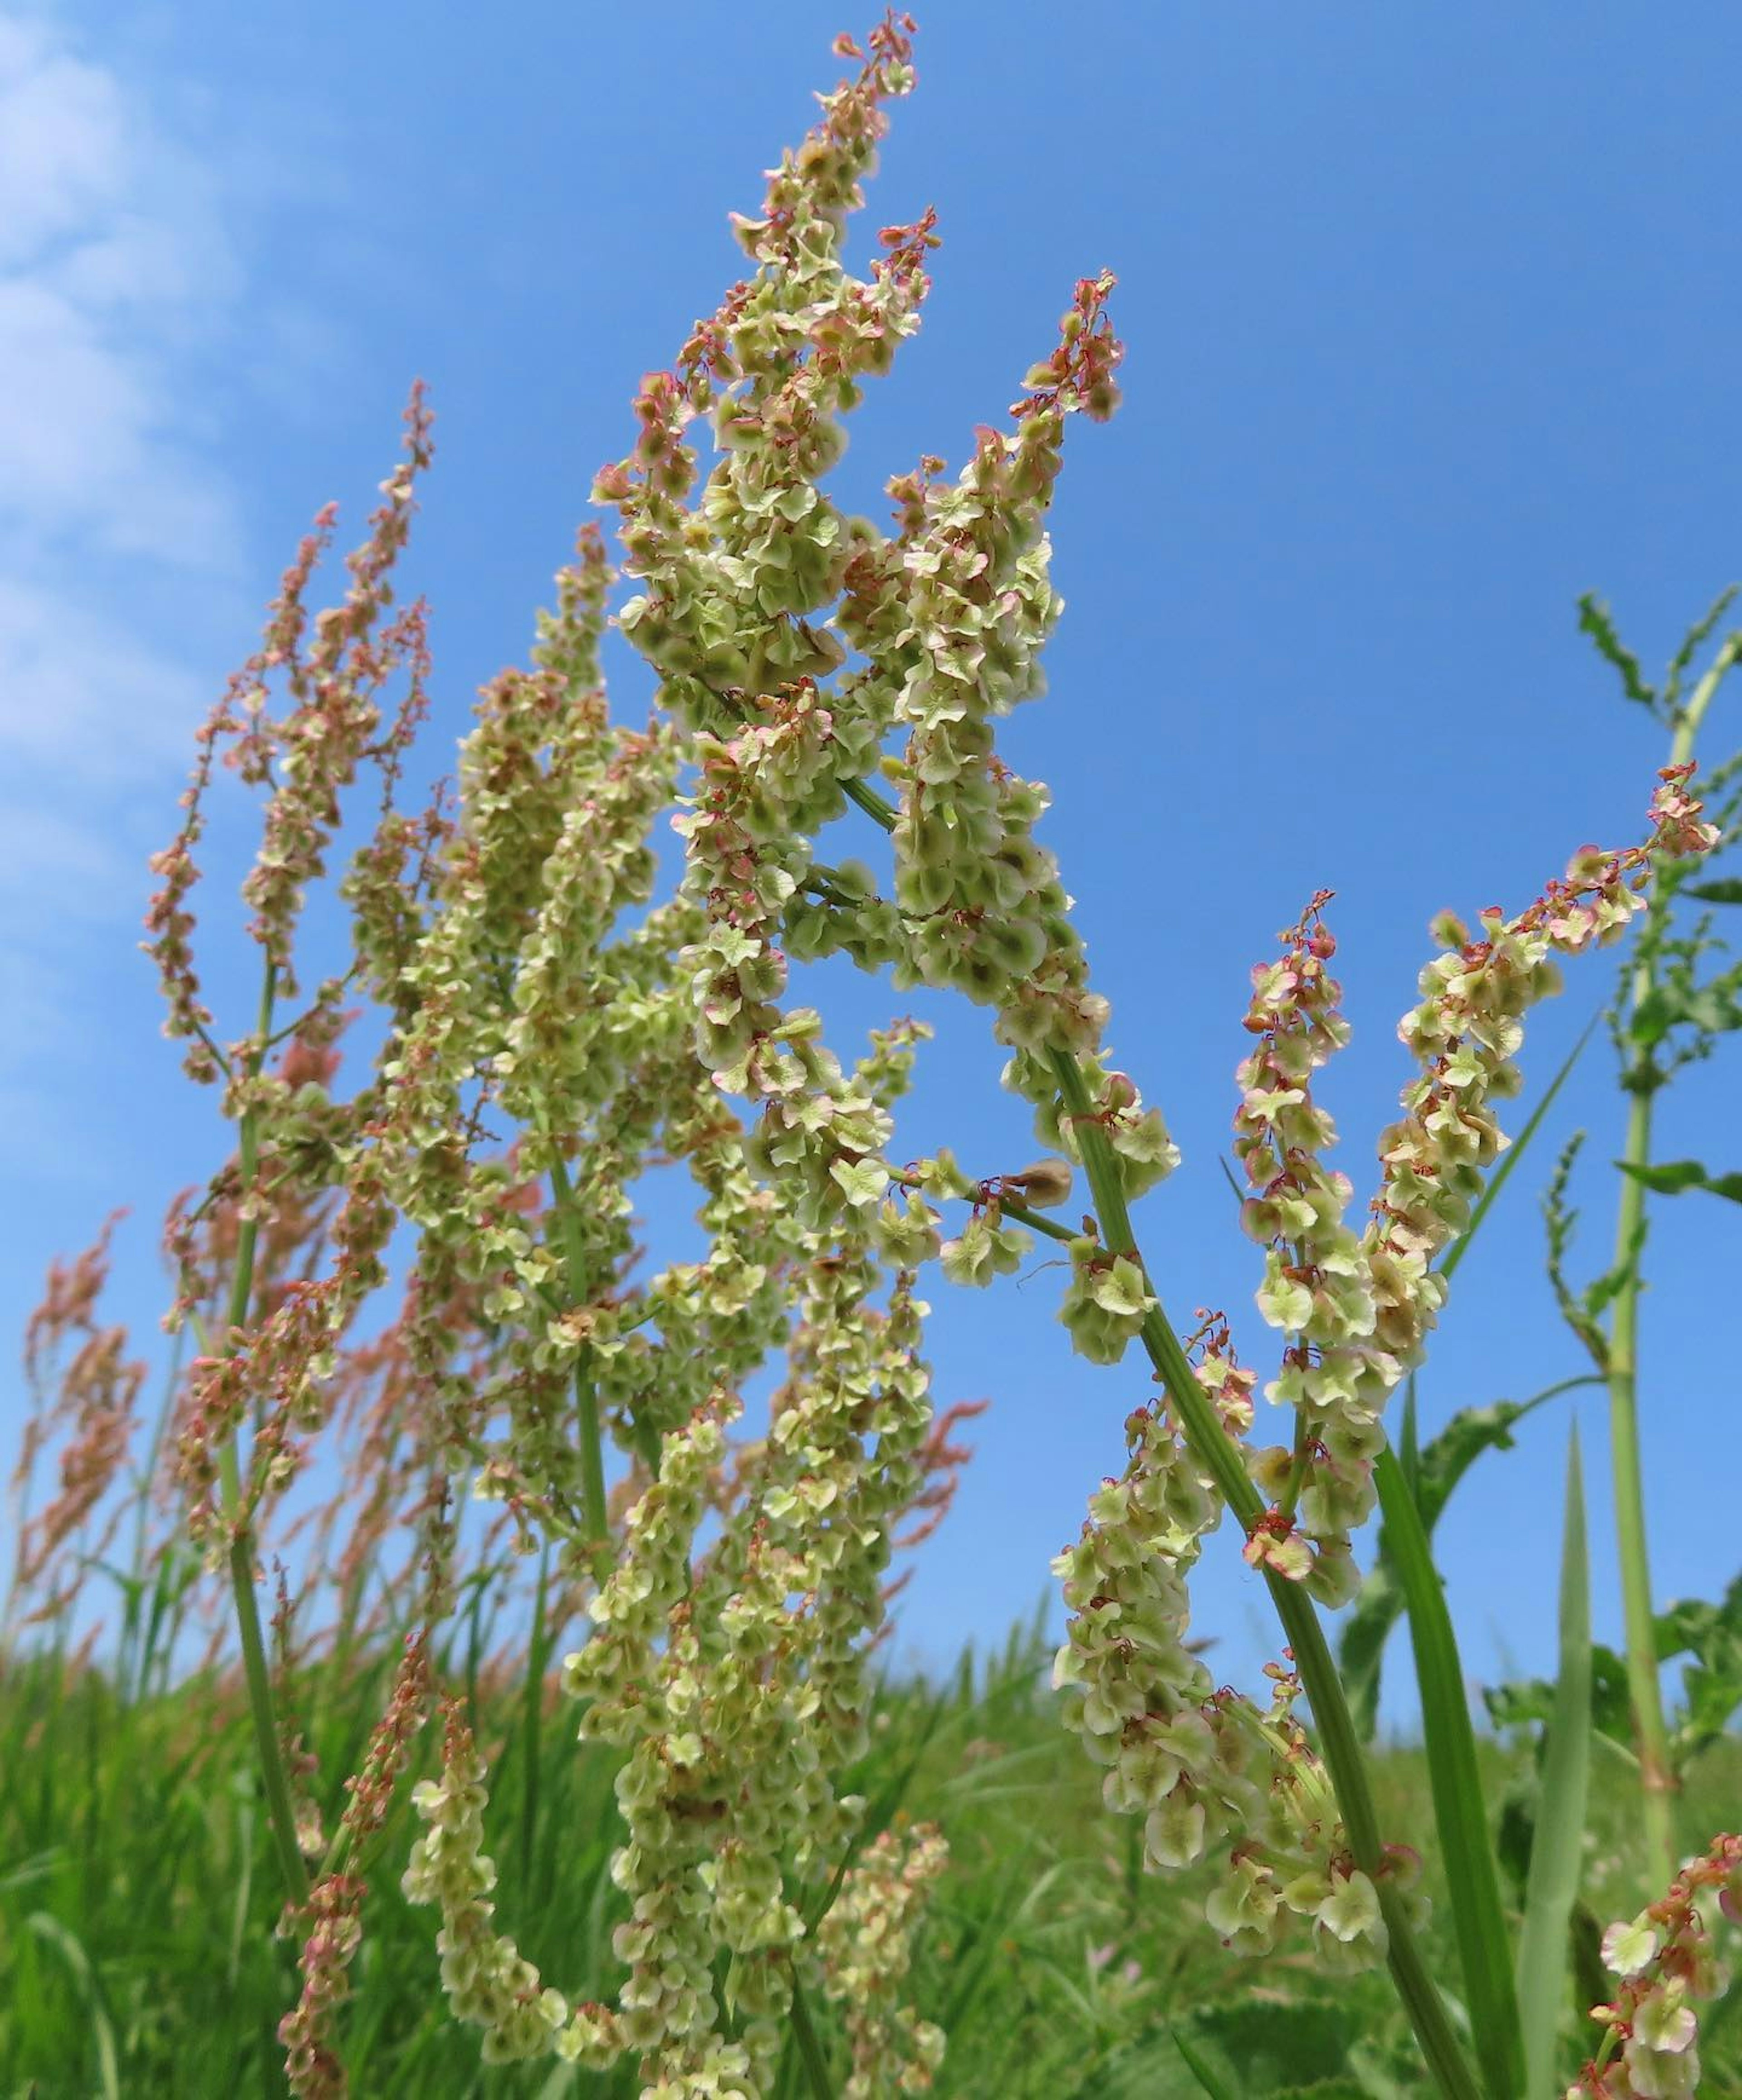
1675 1177
1459 1805
1594 620
1556 1854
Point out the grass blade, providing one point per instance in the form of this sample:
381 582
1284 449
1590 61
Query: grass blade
1472 1877
810 2049
1556 1849
66 1944
1432 1478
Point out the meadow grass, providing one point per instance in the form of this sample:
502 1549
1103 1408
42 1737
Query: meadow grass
138 1897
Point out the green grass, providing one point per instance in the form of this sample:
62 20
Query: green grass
138 1901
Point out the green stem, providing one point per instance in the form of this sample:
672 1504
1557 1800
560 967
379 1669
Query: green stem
1657 1776
809 2044
586 1393
532 1716
237 1518
134 1659
1019 1214
1339 1743
1659 1781
1459 1813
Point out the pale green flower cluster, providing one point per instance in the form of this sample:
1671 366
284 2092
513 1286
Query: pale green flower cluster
985 911
1466 1033
1317 1286
1357 1311
1667 1961
737 1680
489 1984
1208 1770
866 1945
752 600
734 1588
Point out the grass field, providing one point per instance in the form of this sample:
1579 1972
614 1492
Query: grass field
138 1901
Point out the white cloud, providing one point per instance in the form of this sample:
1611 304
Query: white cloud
114 266
63 139
121 583
81 696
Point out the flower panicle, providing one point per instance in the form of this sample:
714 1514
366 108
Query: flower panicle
1466 1033
1666 1960
330 1921
84 1388
305 757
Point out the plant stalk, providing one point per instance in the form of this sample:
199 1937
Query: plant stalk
273 1776
1659 1781
586 1393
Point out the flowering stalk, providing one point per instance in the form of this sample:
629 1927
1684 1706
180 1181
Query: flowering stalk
268 1734
866 1939
1659 1781
303 760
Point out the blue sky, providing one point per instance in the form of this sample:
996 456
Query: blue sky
1432 324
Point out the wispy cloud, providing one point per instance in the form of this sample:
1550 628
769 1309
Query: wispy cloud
122 283
116 267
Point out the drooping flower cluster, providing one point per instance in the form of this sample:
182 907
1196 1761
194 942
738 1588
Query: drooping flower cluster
488 1982
1316 1286
330 1921
738 616
737 1680
986 909
1466 1033
1667 1960
867 1944
1208 1771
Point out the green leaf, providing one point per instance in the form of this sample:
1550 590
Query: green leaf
1711 1685
1439 1468
1262 2045
1472 1432
1198 2062
1594 620
1675 1177
1467 1853
1324 2088
68 1945
1529 1701
1693 640
1556 1851
1710 1009
1726 889
1155 2066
